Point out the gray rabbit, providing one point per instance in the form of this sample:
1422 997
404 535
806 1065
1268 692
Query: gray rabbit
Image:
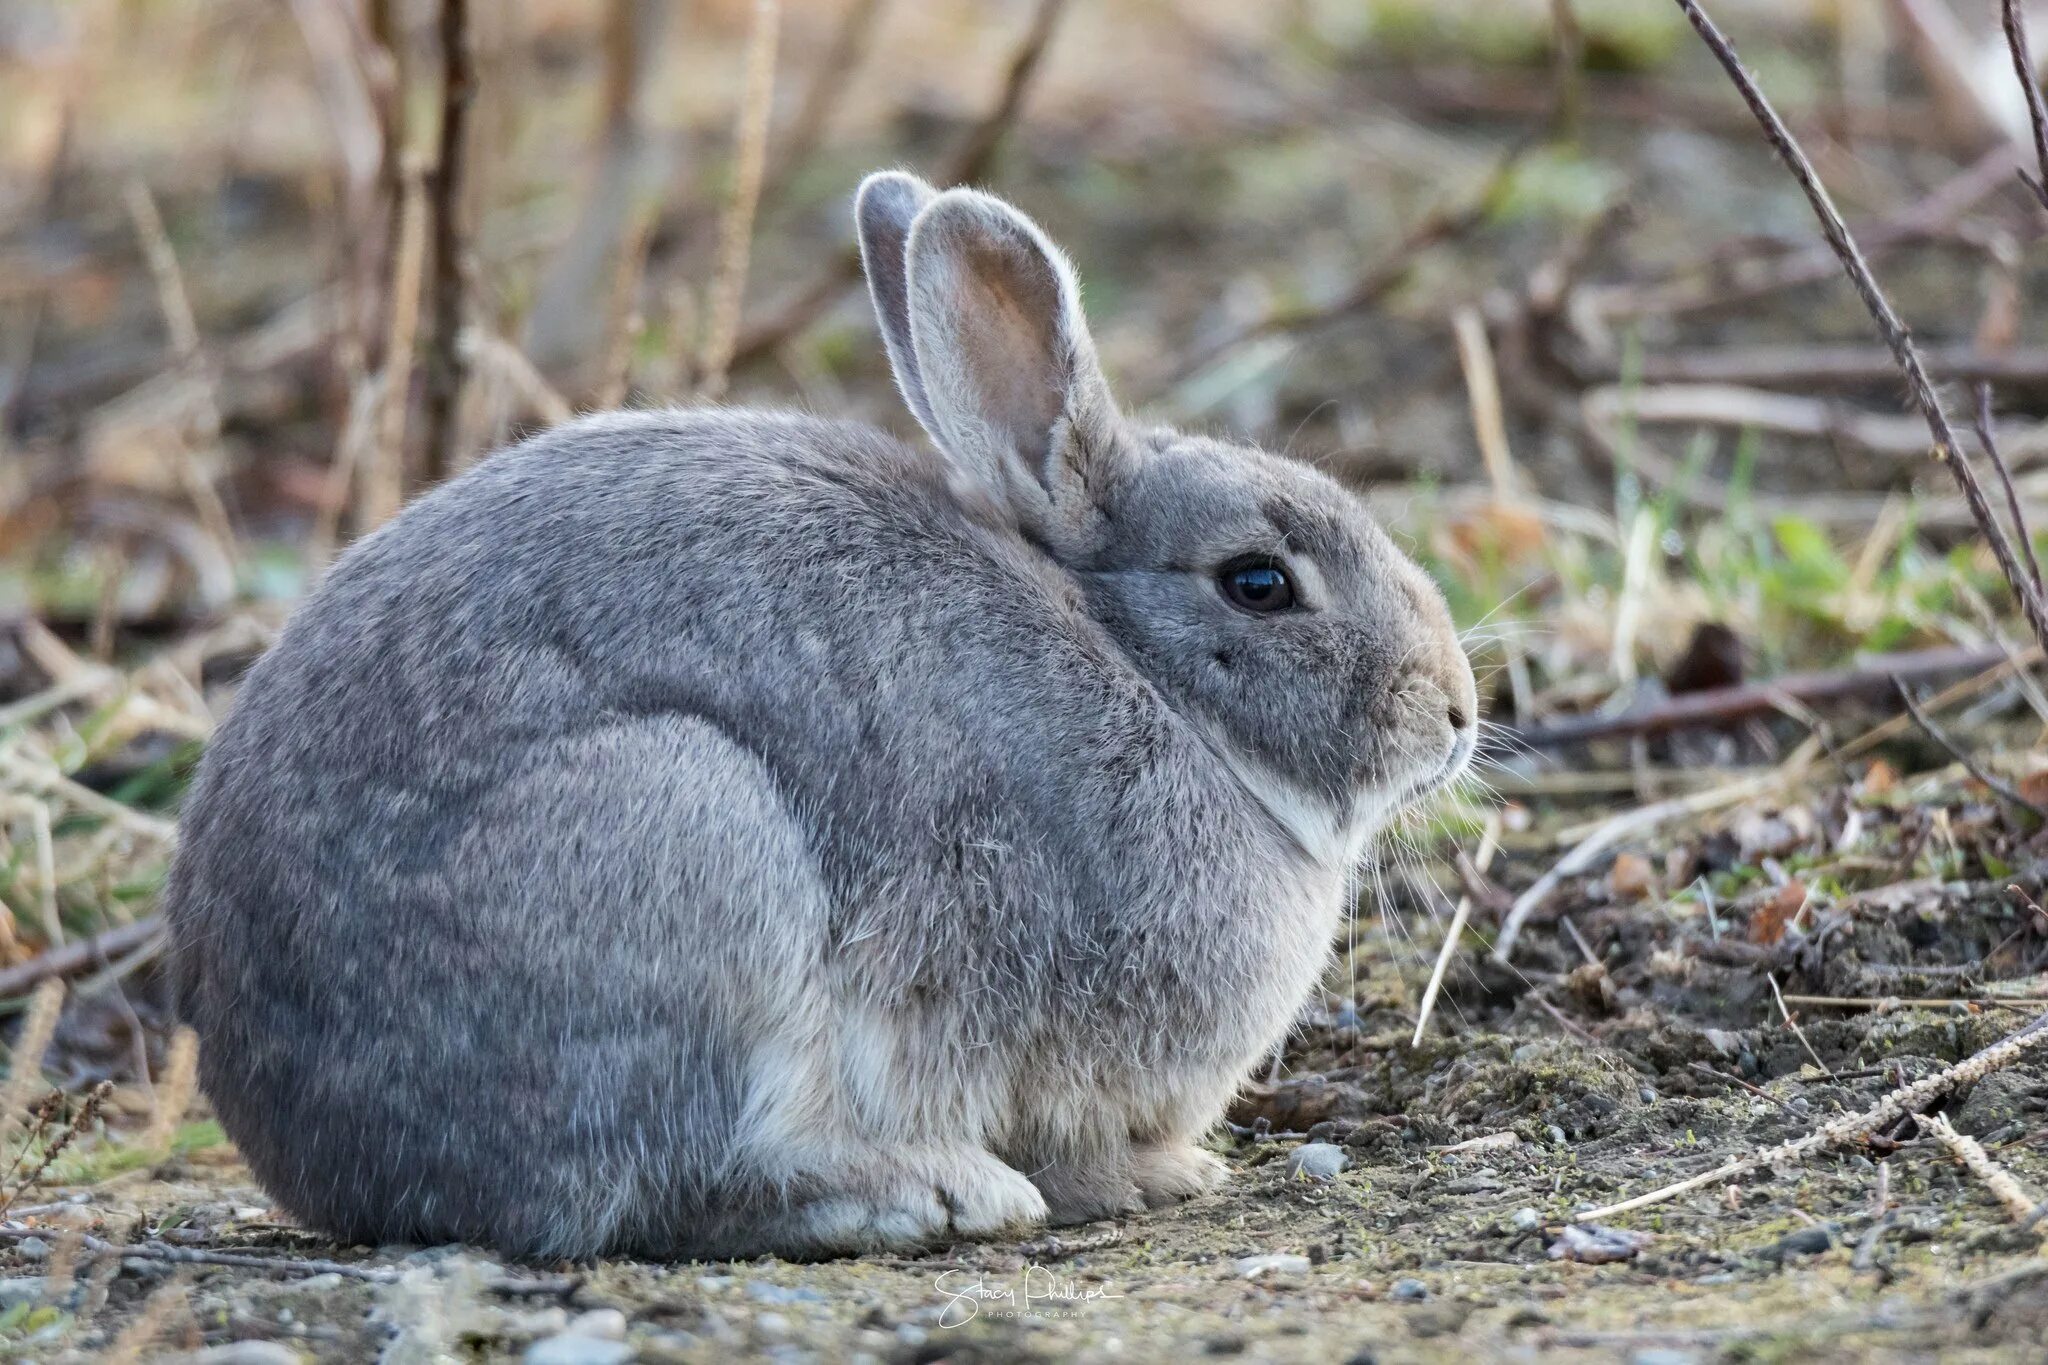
714 833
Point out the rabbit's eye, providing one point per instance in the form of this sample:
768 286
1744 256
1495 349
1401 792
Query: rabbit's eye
1257 585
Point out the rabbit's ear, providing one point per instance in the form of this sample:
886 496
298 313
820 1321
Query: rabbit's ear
888 202
1017 397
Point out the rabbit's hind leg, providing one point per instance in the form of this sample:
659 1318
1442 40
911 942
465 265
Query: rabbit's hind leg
1170 1172
889 1199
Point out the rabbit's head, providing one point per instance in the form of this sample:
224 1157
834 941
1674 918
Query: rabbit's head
1256 595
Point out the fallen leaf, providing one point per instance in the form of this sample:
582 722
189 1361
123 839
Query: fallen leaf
1767 923
1631 878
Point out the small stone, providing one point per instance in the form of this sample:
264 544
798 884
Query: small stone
1362 1356
606 1323
1805 1242
1273 1263
16 1289
761 1291
1408 1291
1595 1244
1319 1161
773 1324
573 1348
1556 1134
1660 1355
321 1284
1631 878
1527 1220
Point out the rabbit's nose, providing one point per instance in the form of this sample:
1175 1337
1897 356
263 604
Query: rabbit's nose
1459 720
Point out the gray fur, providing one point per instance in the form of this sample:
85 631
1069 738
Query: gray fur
712 833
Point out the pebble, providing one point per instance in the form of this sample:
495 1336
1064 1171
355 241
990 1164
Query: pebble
1316 1161
1527 1220
1658 1355
760 1291
1408 1291
608 1323
1556 1134
574 1348
1273 1263
1805 1242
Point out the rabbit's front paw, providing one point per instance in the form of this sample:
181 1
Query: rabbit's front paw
1083 1192
915 1198
1171 1172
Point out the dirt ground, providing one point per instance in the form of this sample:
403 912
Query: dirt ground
1231 178
1576 1078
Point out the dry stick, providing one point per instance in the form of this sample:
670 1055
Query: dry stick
1987 439
448 368
1793 1024
25 1063
1489 844
2004 791
381 486
1885 1004
1482 393
968 162
2037 112
1905 1100
1637 821
842 54
175 302
1978 1162
173 1091
736 234
1919 387
78 955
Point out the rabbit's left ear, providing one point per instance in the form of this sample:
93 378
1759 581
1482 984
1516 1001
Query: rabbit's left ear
888 202
1015 394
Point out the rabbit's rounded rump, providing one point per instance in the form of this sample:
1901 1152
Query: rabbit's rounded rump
709 833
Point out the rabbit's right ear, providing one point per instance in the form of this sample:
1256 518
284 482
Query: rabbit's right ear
888 202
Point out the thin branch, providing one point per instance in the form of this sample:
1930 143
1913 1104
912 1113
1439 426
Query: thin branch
1489 844
1978 1162
448 368
968 163
1894 331
843 54
1905 1100
2001 789
736 234
2037 112
1987 438
79 955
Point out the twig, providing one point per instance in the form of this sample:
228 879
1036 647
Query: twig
448 368
1987 439
381 485
25 1061
36 778
1883 1004
1725 705
736 234
843 54
1919 387
1489 844
2030 82
1482 393
1793 1024
1612 831
2000 788
1978 1162
967 163
1805 367
78 955
1907 1099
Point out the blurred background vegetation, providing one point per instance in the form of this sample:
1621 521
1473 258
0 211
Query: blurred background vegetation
1521 270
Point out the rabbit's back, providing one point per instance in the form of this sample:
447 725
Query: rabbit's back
582 764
